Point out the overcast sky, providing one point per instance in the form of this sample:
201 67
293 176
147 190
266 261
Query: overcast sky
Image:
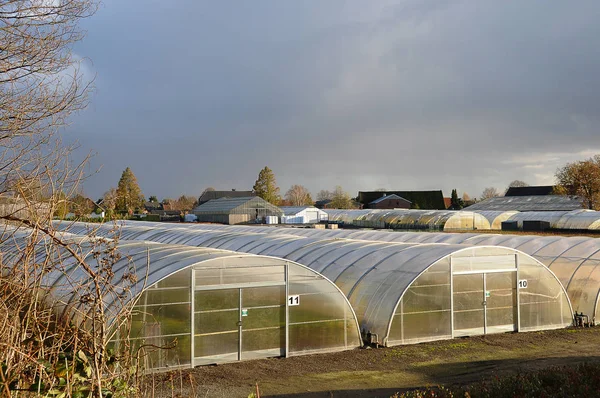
403 95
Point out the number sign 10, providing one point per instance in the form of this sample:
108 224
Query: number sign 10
293 300
523 284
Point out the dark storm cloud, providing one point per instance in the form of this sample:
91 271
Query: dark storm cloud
397 94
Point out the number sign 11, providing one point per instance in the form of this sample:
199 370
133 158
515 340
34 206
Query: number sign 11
293 300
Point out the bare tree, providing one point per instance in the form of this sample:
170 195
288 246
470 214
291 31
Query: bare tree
298 195
109 201
489 192
518 184
44 351
183 203
324 194
40 79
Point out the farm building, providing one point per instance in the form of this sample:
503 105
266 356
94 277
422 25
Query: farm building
302 215
392 201
535 190
236 210
403 293
425 200
219 306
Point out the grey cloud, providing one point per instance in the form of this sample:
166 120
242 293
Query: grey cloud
406 94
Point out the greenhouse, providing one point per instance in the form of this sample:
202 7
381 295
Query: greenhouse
581 219
551 217
495 218
529 203
448 220
218 306
440 220
574 260
236 210
401 292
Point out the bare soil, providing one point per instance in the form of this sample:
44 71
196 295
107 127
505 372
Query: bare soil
384 371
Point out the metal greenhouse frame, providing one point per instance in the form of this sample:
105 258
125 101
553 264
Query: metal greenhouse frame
219 305
401 292
574 260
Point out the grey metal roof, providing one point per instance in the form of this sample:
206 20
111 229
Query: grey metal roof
210 195
529 203
228 205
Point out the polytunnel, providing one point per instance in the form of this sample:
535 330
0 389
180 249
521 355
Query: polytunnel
406 292
441 220
496 217
552 217
218 305
580 220
574 260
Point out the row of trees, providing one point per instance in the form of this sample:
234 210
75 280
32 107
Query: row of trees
127 198
298 195
580 178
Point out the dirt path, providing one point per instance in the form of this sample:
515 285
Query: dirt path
381 372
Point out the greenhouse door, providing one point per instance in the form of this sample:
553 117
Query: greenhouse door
238 323
484 303
262 322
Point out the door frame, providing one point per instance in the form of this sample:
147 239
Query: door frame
240 287
483 273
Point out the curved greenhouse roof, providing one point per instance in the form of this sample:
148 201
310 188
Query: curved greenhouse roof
495 218
401 292
442 220
447 220
551 217
218 305
574 260
530 203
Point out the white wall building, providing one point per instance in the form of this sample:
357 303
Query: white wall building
302 215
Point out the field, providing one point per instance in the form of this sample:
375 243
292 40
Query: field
385 371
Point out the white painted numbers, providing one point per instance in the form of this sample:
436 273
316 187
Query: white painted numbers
522 283
293 300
